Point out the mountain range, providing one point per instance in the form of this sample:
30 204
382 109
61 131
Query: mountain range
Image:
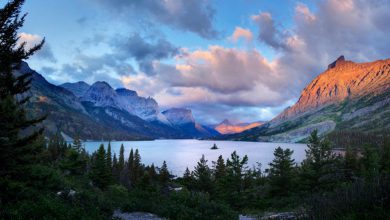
99 112
348 96
227 127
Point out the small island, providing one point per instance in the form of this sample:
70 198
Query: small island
214 147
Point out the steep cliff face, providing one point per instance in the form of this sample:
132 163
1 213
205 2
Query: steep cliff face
342 80
347 96
183 120
145 108
179 116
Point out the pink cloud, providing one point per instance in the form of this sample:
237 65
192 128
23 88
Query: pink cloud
241 33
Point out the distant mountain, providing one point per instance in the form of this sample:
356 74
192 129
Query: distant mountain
78 88
226 127
99 112
183 120
348 96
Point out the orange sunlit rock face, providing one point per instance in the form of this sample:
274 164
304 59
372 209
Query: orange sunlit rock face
342 80
232 129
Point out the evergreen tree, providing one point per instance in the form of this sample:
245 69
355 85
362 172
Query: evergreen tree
152 172
188 179
109 156
130 166
164 173
17 153
137 167
234 185
99 173
236 168
281 172
320 168
121 161
115 169
202 174
219 168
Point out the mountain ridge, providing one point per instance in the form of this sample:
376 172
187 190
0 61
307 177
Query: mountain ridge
100 112
346 96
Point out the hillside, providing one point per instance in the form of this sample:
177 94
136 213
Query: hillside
99 112
348 96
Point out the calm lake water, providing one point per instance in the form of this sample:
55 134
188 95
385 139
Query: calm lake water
180 154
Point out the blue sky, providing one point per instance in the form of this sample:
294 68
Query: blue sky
245 60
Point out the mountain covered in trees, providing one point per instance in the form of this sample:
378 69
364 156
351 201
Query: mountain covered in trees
98 111
347 97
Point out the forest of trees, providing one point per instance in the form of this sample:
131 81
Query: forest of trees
52 179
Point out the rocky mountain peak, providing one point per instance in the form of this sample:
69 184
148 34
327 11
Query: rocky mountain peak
77 88
101 94
339 61
347 81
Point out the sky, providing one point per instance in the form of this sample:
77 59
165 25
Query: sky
245 60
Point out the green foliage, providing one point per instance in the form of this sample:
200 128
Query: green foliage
164 173
385 157
17 152
281 172
100 173
363 199
370 162
202 175
319 169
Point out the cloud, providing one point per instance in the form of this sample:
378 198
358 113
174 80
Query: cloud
145 53
221 75
268 32
221 82
31 40
241 33
187 15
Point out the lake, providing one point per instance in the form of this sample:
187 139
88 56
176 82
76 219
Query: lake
180 154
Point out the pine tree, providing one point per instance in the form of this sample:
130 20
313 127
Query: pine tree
220 168
188 179
234 184
17 153
109 156
281 172
319 170
99 173
137 167
236 168
121 161
115 169
130 166
164 173
152 172
202 174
